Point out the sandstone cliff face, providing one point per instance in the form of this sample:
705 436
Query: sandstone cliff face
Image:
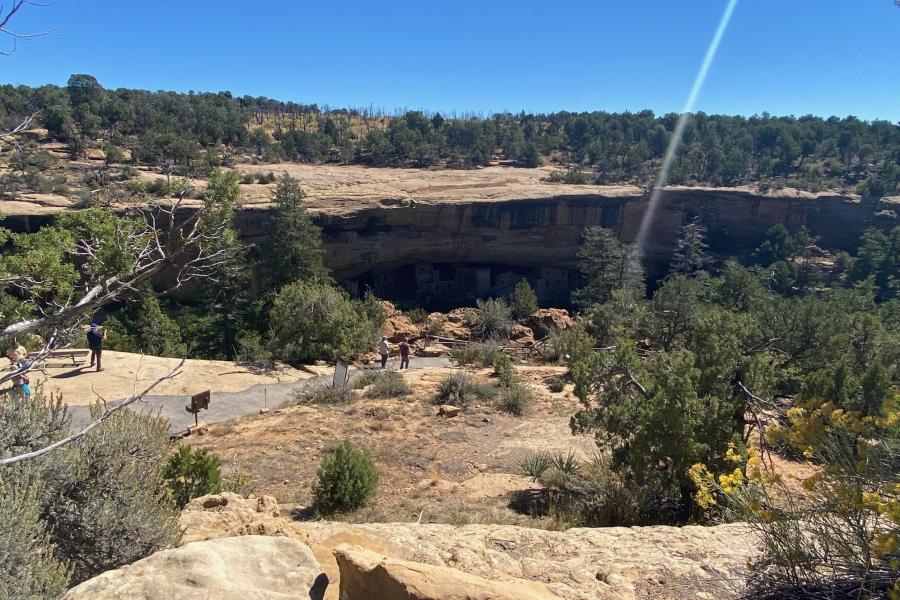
376 220
545 231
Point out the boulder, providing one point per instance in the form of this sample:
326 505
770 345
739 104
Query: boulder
95 154
324 553
605 563
227 513
456 331
462 315
398 326
366 575
542 322
448 410
521 335
434 349
238 568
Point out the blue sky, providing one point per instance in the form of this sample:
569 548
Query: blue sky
782 56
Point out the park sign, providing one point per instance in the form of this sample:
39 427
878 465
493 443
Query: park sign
198 402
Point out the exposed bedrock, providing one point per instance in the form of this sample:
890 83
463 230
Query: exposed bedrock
477 246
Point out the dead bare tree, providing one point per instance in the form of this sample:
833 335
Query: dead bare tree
189 246
6 16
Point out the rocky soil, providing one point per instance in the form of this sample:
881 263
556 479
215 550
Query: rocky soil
448 469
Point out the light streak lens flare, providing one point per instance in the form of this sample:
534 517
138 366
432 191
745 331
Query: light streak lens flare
675 142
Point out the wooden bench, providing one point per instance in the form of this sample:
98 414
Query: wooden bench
76 356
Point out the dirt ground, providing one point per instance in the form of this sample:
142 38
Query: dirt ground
124 373
440 469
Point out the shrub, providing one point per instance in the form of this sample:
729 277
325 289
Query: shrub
515 398
435 325
493 319
573 176
570 345
837 535
459 390
264 177
388 384
503 368
556 384
364 379
239 483
111 489
192 473
137 186
480 354
247 178
416 315
252 349
345 481
586 494
157 187
127 173
31 568
524 300
310 320
322 394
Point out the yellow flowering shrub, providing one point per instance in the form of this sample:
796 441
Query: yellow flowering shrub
814 538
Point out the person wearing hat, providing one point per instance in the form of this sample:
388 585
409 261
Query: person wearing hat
384 349
95 339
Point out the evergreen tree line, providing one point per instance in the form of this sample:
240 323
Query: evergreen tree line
689 392
187 130
691 361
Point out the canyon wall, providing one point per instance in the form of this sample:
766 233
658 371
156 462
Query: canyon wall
460 247
536 234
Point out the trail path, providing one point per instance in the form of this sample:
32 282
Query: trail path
224 406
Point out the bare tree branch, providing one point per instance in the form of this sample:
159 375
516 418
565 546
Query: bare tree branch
15 35
9 136
107 413
190 246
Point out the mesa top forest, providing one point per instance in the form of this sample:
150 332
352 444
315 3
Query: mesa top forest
185 131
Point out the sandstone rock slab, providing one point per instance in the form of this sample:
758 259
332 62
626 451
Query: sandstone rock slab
366 575
235 568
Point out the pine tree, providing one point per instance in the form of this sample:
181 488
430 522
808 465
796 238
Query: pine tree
690 253
607 265
225 300
294 250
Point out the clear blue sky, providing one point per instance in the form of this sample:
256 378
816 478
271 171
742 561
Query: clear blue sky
782 56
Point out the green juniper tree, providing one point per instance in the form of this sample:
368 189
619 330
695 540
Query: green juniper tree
524 300
311 320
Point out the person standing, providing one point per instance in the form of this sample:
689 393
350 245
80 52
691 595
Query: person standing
384 349
95 339
21 385
404 354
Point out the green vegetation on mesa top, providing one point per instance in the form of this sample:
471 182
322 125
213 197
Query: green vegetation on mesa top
180 129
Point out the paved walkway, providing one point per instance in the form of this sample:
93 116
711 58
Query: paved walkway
224 406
